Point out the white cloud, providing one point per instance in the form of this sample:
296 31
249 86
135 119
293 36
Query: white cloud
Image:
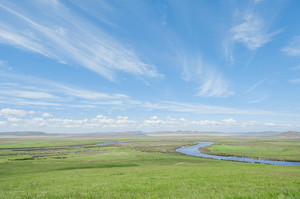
202 108
101 10
206 123
72 97
68 38
23 102
14 119
123 123
270 124
250 123
27 94
163 19
39 122
229 121
252 32
47 115
38 92
293 49
295 68
255 85
257 1
212 83
192 66
259 99
3 123
154 118
87 94
295 81
12 112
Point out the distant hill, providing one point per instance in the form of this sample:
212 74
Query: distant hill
113 133
260 133
24 133
290 134
184 132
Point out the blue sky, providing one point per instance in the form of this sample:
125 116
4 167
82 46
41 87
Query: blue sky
87 66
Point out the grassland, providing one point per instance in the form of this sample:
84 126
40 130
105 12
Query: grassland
140 167
257 149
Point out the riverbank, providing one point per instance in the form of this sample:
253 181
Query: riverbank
194 151
207 150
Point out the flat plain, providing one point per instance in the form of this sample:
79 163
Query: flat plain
146 166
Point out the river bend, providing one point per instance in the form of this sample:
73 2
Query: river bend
194 151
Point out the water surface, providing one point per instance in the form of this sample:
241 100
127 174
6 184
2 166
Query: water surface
194 151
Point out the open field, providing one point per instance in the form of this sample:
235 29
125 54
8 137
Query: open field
142 167
257 149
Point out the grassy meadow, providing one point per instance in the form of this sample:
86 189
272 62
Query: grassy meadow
145 167
257 149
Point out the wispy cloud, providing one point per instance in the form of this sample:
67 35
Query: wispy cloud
250 28
27 94
40 92
293 49
72 97
212 83
87 94
202 108
255 85
68 38
257 1
252 32
101 10
295 81
295 68
259 99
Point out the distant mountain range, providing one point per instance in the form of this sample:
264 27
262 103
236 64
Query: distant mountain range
24 133
261 133
291 134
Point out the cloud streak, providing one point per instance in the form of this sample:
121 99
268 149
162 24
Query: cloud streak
293 49
65 97
212 83
252 32
254 86
62 35
249 29
295 81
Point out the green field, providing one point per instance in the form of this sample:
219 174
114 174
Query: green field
142 167
271 150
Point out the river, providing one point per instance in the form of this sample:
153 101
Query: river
194 151
191 150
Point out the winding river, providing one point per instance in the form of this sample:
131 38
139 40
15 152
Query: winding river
194 151
191 150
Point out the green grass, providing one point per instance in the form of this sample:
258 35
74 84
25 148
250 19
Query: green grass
259 150
44 143
143 169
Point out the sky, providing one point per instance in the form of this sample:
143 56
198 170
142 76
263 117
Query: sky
109 65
